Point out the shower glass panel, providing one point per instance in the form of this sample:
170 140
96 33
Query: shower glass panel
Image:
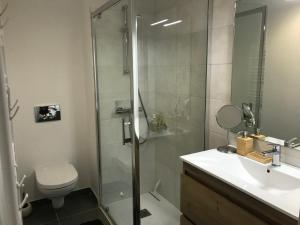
114 111
172 63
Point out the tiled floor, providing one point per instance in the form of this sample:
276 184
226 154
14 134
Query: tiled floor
162 211
111 192
80 206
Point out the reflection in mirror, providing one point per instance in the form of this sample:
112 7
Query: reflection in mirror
266 65
247 63
249 117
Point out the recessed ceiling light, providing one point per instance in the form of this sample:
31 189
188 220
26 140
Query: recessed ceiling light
158 22
173 23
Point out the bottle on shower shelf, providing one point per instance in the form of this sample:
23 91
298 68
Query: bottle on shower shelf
158 123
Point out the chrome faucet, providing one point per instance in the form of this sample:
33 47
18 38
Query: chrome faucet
295 145
276 155
291 143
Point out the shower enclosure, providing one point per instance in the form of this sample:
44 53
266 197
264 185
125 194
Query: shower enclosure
150 62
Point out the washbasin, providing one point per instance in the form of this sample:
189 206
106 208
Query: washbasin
277 186
268 178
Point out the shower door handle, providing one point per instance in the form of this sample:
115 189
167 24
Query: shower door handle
125 41
126 52
126 124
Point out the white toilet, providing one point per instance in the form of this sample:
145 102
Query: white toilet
56 181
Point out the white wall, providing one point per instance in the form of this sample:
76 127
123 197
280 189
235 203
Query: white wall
89 6
48 44
9 212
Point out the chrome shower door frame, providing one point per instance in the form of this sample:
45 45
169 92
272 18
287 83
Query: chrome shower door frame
134 99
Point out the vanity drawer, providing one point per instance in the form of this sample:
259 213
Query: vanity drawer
203 206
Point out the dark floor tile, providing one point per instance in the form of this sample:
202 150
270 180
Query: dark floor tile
77 202
42 212
94 222
51 223
78 219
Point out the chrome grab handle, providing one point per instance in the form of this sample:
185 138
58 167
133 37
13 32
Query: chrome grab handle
11 117
12 107
126 140
21 184
3 24
23 201
4 10
125 41
126 53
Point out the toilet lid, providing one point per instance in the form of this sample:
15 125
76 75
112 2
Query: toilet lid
56 176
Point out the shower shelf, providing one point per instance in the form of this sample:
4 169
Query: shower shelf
166 133
161 134
121 110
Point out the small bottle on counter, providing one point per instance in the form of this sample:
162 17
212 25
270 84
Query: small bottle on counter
258 135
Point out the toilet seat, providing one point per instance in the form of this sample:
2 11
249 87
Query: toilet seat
56 176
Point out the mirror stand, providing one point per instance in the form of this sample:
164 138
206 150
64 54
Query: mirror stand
227 148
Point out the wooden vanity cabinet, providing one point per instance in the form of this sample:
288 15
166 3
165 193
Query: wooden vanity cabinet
184 221
205 200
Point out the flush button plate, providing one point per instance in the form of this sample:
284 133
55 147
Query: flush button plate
47 113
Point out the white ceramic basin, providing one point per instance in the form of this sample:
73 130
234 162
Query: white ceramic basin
278 187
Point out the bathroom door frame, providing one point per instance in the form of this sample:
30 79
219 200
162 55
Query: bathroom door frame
134 101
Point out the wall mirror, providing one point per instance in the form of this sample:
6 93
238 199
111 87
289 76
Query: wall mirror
266 65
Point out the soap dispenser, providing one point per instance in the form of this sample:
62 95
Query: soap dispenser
244 144
258 135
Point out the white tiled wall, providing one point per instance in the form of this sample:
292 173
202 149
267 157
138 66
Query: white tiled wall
172 81
180 72
44 49
219 66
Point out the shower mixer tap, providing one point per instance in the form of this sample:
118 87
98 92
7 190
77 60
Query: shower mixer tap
126 124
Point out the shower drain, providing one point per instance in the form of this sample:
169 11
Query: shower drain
144 213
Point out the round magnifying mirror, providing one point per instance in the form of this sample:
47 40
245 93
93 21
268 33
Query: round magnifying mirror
229 117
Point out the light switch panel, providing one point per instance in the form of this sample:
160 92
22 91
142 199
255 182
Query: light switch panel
47 113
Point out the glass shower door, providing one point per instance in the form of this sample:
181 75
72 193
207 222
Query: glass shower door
151 79
172 63
113 85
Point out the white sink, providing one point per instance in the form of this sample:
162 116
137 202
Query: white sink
278 187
